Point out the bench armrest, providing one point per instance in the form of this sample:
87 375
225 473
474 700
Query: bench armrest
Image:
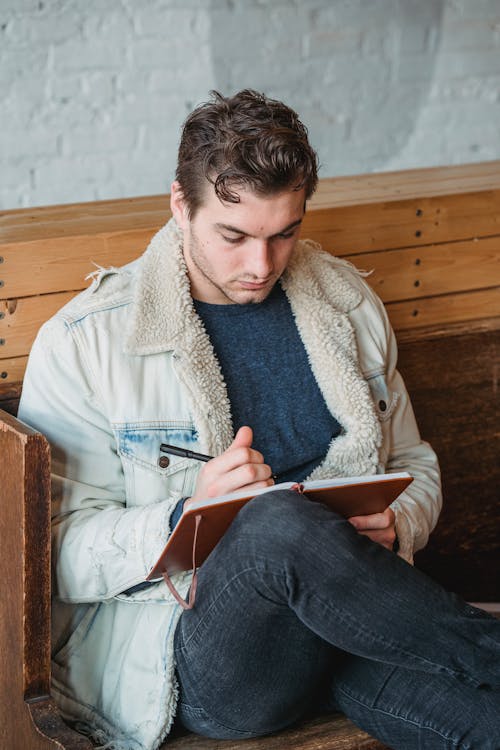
28 716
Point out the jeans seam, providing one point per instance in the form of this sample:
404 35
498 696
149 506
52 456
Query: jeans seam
343 616
215 600
206 716
396 715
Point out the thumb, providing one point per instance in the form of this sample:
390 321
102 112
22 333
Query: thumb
243 438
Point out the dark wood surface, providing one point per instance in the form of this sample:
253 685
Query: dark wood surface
453 382
26 708
333 732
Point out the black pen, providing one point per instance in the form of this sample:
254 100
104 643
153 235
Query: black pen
185 453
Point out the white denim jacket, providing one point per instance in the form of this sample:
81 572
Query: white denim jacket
127 365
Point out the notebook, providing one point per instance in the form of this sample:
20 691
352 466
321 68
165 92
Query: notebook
349 496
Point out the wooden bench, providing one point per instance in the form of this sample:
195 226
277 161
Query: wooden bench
432 237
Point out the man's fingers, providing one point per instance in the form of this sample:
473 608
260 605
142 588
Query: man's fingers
243 438
234 457
374 521
243 477
379 527
384 537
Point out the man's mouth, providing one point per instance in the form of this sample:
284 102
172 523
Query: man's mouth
255 285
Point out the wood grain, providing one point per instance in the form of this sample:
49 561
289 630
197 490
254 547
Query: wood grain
25 570
333 732
11 373
409 223
145 211
22 319
453 384
431 270
445 310
414 278
63 263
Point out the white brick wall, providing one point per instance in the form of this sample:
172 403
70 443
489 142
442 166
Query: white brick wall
93 92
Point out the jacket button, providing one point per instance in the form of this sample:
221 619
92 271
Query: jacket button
382 405
163 462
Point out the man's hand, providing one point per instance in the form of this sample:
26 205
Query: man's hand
239 467
380 527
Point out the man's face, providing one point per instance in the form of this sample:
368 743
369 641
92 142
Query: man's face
235 252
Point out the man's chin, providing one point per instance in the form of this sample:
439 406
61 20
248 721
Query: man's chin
249 296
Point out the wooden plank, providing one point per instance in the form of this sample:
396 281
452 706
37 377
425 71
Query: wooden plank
440 203
340 230
408 223
23 317
432 270
145 211
444 310
408 184
61 264
465 313
26 709
12 371
330 732
453 384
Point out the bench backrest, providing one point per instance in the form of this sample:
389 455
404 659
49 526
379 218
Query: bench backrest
432 238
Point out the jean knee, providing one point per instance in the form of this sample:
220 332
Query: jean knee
287 523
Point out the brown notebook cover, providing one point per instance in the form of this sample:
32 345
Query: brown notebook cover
359 496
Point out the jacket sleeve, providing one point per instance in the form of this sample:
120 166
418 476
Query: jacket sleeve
99 546
417 508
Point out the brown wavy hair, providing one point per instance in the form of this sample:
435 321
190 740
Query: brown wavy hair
245 141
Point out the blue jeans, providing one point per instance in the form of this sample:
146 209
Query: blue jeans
297 613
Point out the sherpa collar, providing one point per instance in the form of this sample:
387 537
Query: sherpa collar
163 318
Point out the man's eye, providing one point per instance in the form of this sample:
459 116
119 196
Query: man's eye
232 240
286 235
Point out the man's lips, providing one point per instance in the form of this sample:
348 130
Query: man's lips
255 284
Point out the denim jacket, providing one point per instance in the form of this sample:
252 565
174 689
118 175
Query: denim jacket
127 365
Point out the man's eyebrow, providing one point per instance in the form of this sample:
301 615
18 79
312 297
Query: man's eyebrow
235 230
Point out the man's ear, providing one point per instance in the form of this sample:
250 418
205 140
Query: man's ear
178 205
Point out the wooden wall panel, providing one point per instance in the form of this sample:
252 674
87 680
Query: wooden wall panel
394 224
431 270
22 319
11 372
432 237
59 264
445 310
453 384
439 270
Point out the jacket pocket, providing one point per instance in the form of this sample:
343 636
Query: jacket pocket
385 400
150 475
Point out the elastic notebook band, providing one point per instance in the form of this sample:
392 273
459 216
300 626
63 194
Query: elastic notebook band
194 578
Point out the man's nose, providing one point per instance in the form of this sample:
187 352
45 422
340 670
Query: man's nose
262 262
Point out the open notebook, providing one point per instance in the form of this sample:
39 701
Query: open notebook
202 525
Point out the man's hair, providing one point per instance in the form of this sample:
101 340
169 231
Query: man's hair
245 141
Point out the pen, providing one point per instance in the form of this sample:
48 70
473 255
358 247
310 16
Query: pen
173 450
184 452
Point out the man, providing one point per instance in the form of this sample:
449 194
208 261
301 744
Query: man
231 337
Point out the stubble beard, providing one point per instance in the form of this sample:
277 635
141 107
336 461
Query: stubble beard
204 269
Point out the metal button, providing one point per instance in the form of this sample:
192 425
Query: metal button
163 462
382 405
